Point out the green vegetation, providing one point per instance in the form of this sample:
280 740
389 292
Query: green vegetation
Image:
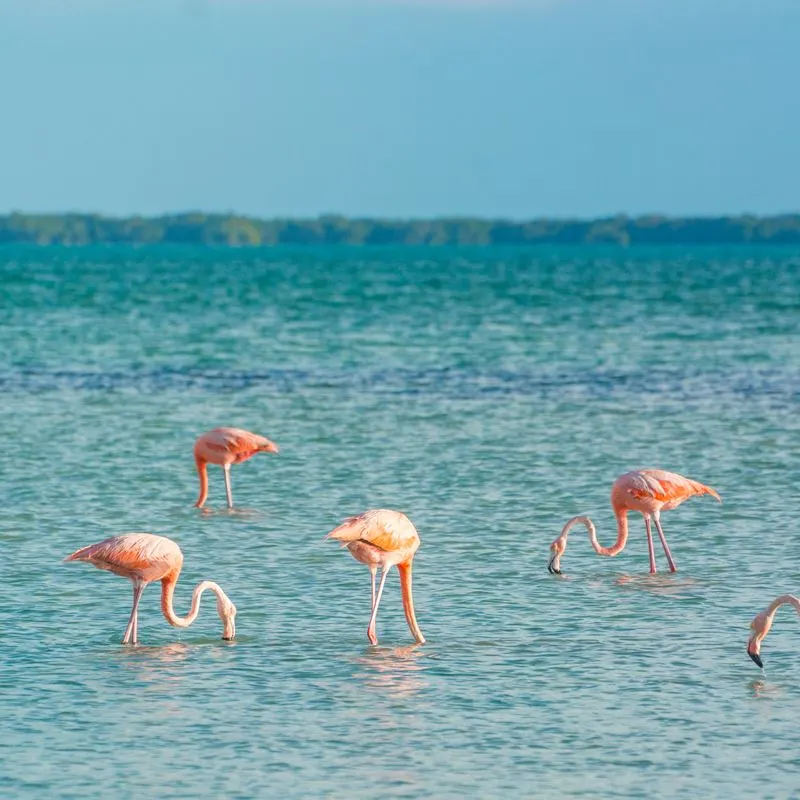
231 230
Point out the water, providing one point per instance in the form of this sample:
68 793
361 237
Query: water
490 394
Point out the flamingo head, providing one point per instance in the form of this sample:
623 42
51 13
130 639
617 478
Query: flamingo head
227 613
760 626
556 549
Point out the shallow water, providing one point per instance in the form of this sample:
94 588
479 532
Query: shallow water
490 394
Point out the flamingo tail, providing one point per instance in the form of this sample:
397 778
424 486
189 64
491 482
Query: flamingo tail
349 531
79 555
701 488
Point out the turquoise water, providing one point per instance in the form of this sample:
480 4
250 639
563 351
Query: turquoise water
490 394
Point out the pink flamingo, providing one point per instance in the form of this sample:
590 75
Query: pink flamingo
763 622
648 491
226 446
383 538
143 558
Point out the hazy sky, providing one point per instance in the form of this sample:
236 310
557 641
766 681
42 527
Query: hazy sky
406 108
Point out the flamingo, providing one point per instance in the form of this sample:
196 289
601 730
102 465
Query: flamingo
143 558
763 622
648 491
383 538
226 446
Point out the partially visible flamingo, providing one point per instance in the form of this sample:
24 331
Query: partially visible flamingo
648 491
763 622
226 446
143 558
383 538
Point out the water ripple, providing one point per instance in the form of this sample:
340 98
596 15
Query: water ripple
445 383
489 394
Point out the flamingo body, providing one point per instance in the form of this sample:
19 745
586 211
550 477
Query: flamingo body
143 558
647 491
135 556
225 447
650 491
381 539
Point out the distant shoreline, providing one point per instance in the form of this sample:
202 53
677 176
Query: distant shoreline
241 231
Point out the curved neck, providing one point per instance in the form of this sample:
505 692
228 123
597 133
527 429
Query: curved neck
202 471
782 600
622 533
168 589
408 601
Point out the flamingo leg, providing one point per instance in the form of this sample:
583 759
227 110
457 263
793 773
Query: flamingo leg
657 519
650 549
131 630
373 639
227 470
372 571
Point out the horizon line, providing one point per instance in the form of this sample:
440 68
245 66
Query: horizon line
444 217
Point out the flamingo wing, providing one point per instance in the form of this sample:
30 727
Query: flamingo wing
383 528
666 487
238 442
142 555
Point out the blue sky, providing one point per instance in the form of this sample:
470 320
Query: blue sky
384 107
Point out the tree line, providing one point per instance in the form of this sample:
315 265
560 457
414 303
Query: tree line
234 230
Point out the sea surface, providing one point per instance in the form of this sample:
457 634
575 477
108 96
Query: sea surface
490 394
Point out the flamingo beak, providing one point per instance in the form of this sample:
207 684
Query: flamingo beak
753 653
553 565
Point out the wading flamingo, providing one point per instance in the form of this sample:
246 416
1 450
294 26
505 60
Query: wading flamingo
143 558
226 446
383 538
648 491
763 622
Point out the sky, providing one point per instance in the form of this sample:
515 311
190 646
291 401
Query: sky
400 108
